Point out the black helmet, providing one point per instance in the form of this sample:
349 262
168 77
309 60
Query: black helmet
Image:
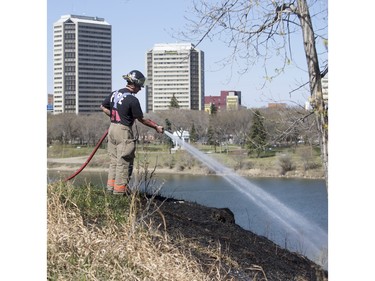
135 77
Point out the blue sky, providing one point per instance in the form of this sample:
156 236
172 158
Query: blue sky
138 24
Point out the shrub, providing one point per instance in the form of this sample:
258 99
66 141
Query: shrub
285 163
180 167
244 165
307 157
170 162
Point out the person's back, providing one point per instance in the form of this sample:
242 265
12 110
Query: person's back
123 108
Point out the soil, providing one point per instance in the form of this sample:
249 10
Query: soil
247 256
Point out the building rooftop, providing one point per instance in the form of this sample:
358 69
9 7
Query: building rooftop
86 19
173 46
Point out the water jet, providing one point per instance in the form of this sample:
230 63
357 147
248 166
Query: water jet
313 239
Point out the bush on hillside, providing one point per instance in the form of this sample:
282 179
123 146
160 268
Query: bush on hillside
284 163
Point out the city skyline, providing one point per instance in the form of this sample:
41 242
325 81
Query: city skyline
135 33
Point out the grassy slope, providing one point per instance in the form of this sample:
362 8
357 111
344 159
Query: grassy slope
96 236
92 236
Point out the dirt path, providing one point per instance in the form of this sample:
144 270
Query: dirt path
69 160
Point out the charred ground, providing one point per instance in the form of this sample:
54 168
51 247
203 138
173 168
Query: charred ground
244 255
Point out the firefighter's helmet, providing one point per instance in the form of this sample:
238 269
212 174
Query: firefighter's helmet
135 77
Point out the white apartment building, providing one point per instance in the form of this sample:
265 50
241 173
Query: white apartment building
324 92
82 64
175 70
325 88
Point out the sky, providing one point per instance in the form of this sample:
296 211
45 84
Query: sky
25 78
139 24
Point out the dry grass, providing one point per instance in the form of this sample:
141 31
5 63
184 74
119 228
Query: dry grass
85 243
306 160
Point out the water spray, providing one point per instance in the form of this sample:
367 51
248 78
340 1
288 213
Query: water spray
297 227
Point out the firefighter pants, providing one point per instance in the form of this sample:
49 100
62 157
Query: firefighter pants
121 149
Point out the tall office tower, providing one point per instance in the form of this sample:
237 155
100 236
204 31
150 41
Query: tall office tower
82 63
175 70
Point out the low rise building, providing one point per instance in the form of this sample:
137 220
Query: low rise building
228 100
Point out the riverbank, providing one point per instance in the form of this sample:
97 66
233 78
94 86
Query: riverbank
64 164
161 239
245 254
183 163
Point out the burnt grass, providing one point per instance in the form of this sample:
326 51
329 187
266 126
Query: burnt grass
245 255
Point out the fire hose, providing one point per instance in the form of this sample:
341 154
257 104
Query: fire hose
90 157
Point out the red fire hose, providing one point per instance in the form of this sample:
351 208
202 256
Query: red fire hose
88 159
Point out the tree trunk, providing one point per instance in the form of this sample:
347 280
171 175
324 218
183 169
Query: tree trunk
315 79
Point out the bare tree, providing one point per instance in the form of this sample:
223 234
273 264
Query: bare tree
92 127
184 119
258 30
241 127
285 124
67 126
54 131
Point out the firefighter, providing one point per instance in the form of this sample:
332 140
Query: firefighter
123 108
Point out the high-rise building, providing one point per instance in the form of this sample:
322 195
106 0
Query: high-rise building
82 63
175 70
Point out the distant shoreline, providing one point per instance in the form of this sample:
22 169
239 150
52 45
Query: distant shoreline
254 173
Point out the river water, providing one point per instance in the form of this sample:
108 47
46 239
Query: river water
305 200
